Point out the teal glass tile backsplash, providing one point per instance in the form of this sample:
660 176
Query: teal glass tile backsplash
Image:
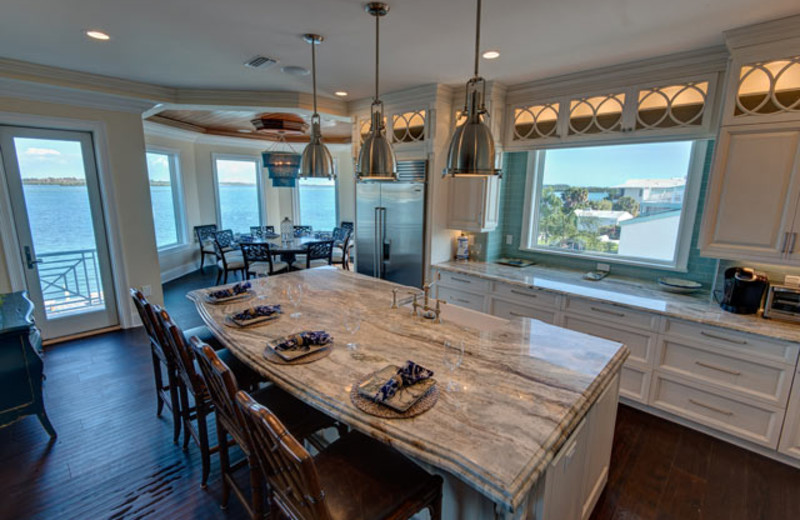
512 203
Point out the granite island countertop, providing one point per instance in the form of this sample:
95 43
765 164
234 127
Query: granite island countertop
627 292
525 385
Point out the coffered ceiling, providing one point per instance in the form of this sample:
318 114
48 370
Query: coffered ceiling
204 43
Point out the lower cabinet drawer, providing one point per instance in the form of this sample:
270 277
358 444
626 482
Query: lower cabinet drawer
462 298
641 344
749 378
464 282
634 383
527 295
510 310
758 424
612 313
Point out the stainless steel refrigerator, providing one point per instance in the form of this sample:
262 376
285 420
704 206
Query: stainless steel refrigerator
390 226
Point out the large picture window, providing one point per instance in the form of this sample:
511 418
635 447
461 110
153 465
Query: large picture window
165 197
317 203
616 202
239 202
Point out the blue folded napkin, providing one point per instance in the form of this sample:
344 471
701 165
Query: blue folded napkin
257 312
239 288
304 340
409 374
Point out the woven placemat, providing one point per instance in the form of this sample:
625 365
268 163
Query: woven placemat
272 357
368 406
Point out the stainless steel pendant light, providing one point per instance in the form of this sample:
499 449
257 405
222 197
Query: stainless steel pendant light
317 162
471 151
376 160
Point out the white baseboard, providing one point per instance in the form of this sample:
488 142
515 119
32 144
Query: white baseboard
177 272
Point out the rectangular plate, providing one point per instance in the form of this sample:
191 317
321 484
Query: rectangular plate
254 321
291 355
234 298
404 398
515 262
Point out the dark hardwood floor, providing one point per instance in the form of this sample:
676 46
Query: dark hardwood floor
114 459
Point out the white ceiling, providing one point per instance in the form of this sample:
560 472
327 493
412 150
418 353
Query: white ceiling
203 43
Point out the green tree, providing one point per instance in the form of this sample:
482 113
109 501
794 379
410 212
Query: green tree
603 204
628 204
574 198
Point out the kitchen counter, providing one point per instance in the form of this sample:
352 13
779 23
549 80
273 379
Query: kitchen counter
627 292
525 385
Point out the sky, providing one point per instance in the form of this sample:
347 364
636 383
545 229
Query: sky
42 158
613 165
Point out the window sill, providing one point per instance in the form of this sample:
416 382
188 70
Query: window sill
609 259
173 249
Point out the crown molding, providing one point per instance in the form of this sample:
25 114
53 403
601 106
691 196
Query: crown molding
661 68
409 98
763 33
68 96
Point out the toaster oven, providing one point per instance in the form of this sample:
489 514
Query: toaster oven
783 303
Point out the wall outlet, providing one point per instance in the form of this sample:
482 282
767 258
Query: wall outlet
603 267
792 280
147 290
509 239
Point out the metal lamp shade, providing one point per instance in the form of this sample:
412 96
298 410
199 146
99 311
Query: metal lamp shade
317 162
376 160
472 150
282 167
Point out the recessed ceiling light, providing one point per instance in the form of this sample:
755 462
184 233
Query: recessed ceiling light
97 35
340 93
491 55
295 70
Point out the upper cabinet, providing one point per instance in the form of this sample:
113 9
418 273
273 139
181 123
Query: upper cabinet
766 91
474 204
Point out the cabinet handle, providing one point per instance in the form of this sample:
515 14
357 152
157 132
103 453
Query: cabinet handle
529 295
462 280
606 311
517 315
712 408
723 338
720 369
461 301
791 245
785 243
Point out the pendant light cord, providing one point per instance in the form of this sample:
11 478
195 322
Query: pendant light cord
378 53
477 38
314 70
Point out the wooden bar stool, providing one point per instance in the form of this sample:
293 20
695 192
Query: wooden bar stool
354 478
301 420
190 383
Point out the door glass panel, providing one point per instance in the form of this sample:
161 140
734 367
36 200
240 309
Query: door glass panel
57 202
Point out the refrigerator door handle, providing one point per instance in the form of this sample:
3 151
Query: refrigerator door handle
385 243
376 232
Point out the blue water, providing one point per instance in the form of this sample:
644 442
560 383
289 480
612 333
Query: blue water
60 219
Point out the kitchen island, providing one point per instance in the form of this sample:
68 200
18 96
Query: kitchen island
527 432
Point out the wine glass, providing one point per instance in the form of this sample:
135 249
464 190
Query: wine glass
295 294
453 357
352 322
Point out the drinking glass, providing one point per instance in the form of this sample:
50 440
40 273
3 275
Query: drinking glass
453 357
475 251
352 322
295 294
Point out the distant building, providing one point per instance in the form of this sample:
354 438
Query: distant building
655 195
591 219
652 236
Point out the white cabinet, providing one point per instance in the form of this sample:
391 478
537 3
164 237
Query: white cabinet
790 436
474 204
565 476
753 195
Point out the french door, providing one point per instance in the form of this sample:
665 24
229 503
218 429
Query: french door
56 205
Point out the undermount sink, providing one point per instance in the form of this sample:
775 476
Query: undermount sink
469 318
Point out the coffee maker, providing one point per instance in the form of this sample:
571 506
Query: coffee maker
743 290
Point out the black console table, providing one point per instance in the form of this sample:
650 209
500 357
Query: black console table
21 365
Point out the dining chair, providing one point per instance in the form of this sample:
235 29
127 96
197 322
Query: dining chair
205 237
300 419
229 259
341 247
258 261
355 477
301 231
191 384
257 231
317 254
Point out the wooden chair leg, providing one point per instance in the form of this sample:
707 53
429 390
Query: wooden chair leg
159 379
205 449
256 489
45 422
202 259
174 396
224 464
219 275
185 416
225 276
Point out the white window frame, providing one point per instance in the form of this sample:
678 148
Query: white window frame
296 201
533 190
178 199
262 200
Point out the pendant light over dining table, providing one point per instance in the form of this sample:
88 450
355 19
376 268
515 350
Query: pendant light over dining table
471 152
376 160
317 162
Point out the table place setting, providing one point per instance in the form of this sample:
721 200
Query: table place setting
299 348
237 292
396 392
257 315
